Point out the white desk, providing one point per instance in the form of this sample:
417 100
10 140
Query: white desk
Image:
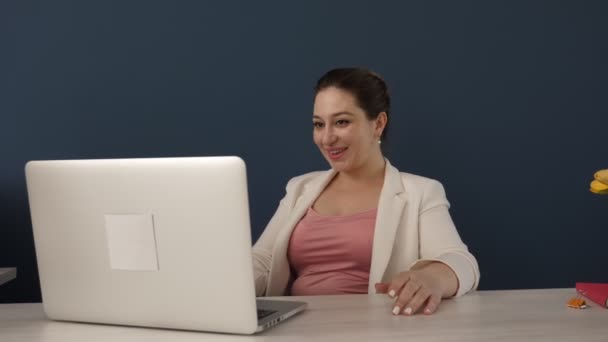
521 315
7 274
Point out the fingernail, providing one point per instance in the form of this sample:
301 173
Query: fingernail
427 311
396 310
392 293
408 311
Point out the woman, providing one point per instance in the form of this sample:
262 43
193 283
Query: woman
362 227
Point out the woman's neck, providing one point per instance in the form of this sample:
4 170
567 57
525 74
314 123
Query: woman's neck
372 172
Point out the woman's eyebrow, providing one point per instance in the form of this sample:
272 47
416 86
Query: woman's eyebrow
334 114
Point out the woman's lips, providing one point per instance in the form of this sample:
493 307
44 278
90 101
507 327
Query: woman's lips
336 153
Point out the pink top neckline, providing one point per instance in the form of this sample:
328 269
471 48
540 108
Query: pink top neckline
347 216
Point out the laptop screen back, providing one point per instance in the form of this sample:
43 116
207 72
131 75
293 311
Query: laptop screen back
160 242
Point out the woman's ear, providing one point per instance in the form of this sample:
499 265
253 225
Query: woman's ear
381 122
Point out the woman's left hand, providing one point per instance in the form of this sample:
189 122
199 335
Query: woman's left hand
419 288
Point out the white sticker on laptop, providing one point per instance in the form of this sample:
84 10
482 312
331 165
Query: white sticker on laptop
131 242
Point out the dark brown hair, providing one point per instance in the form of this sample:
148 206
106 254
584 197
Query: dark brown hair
368 88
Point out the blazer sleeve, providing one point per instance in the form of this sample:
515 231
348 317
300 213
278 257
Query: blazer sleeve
262 249
440 241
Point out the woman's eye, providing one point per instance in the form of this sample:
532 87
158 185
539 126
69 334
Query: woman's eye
317 124
342 122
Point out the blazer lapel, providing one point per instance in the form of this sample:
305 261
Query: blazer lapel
390 208
280 270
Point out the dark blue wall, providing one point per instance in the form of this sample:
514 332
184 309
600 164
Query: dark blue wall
505 102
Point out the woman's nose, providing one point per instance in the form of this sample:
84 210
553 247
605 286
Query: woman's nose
329 137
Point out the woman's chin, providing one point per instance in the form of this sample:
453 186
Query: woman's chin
339 165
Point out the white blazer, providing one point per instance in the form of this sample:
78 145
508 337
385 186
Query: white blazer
412 225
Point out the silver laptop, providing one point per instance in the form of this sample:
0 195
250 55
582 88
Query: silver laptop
160 242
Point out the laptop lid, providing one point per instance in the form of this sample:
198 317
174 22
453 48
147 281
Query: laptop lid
159 242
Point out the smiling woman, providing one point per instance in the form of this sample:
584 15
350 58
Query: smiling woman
348 229
344 133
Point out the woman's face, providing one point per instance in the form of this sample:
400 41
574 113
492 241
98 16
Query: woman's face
346 137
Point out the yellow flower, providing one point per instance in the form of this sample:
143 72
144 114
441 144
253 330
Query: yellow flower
600 184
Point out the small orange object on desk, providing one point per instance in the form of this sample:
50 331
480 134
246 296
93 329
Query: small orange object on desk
577 303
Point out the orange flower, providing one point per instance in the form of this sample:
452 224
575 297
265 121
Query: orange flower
600 184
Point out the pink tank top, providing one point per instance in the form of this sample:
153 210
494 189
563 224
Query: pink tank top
332 254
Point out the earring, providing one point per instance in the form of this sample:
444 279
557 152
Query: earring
379 141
